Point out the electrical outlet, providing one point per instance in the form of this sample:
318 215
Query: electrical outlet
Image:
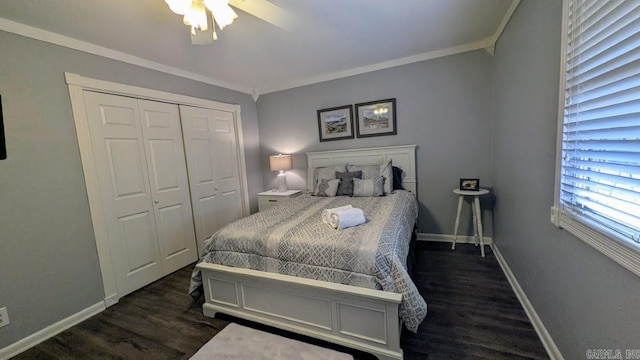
555 216
4 317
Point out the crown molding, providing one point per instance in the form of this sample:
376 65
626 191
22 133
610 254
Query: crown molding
503 24
75 44
374 67
47 36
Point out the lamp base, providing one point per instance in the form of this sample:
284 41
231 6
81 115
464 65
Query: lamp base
282 182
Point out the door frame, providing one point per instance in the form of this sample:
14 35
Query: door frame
77 85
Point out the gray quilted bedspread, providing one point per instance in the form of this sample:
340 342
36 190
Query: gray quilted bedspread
291 239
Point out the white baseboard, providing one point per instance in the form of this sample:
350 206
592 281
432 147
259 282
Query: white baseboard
111 300
543 334
50 331
462 239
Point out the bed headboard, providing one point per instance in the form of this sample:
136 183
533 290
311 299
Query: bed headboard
402 156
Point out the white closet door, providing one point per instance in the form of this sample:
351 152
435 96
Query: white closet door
214 173
169 184
127 202
226 155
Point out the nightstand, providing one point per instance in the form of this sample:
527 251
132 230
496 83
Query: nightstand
269 198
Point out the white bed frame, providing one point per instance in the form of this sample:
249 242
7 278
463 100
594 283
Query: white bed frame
355 317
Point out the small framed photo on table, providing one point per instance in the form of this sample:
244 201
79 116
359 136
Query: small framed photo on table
470 184
335 123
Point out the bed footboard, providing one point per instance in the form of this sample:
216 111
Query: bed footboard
354 317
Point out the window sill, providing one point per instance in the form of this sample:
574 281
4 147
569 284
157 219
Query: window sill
602 240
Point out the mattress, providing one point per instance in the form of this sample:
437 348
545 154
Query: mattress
290 238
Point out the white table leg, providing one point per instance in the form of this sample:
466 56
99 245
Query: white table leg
455 229
479 226
475 221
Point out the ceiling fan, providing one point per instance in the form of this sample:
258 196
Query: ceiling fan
195 15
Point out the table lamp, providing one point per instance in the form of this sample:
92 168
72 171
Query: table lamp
280 163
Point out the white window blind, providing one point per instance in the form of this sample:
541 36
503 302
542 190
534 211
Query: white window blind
600 164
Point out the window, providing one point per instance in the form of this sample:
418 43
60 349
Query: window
598 182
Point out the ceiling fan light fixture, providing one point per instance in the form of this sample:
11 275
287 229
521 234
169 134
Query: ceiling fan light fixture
196 16
195 13
179 7
221 11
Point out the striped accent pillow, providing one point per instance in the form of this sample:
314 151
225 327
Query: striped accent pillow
369 187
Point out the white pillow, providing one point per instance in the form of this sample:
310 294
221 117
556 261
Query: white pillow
326 187
369 187
325 172
374 171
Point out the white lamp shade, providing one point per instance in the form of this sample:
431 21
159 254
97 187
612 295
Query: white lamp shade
280 162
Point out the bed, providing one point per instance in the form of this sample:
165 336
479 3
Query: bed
353 298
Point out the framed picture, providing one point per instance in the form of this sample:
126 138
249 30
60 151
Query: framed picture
470 184
376 118
335 123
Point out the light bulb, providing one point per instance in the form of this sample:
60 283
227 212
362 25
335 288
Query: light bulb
196 16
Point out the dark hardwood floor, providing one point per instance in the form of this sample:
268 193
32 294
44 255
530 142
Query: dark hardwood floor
473 314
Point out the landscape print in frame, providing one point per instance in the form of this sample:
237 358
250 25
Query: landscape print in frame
376 118
335 123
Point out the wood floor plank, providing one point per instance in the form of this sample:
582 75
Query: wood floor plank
473 314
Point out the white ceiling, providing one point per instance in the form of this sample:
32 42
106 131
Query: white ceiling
334 38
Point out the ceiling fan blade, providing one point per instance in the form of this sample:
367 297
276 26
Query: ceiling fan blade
268 12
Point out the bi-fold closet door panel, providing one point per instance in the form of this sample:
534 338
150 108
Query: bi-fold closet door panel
164 151
214 172
139 158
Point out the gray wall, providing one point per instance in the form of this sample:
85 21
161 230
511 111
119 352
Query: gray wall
443 105
585 300
48 259
470 114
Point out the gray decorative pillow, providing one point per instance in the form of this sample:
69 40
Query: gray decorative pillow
369 187
373 171
326 172
326 187
346 182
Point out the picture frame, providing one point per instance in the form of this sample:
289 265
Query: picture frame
376 118
470 184
335 123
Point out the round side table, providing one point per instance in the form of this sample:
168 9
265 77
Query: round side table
477 220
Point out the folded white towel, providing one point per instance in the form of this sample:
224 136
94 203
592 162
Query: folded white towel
346 218
326 213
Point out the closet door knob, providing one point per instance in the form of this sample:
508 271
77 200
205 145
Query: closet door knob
156 201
